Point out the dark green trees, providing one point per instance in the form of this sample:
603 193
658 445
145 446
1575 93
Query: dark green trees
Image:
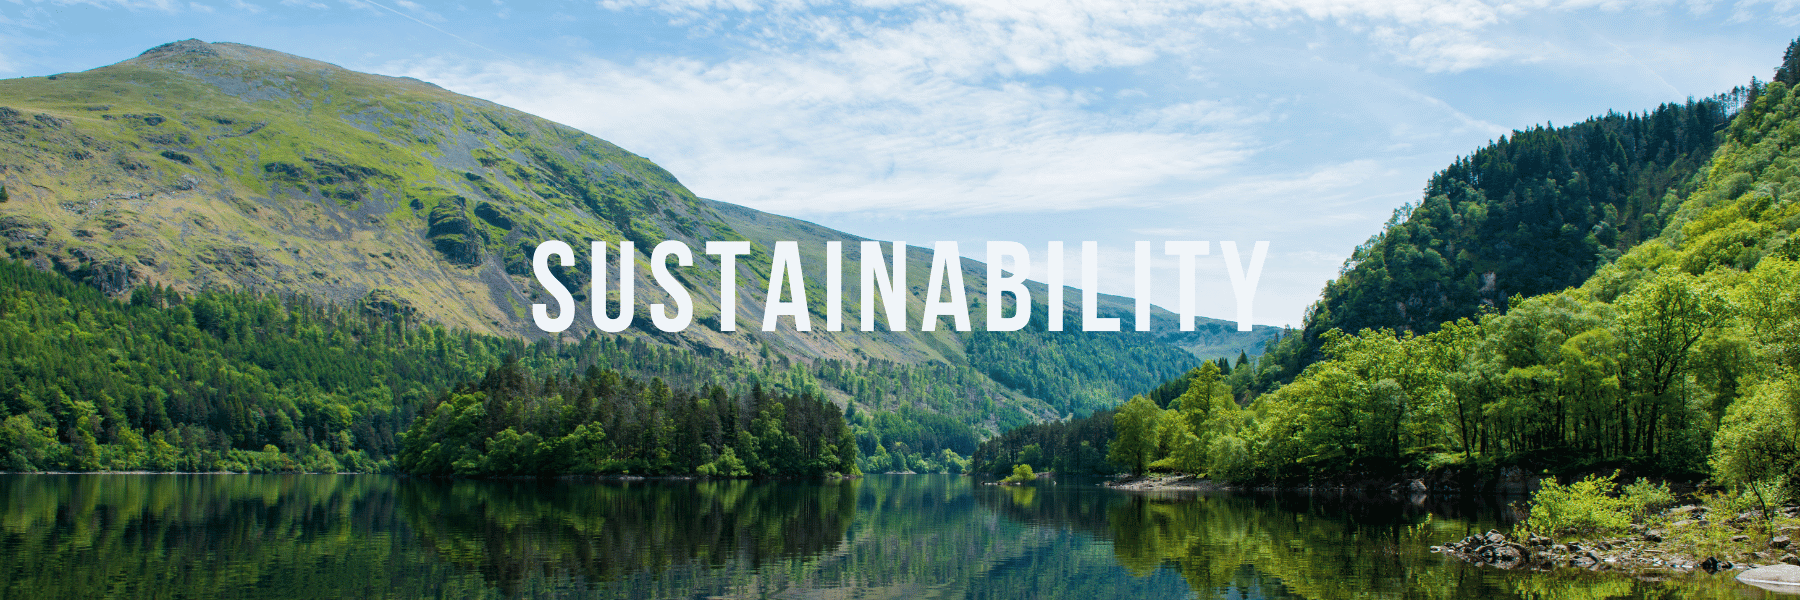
1532 213
212 382
512 424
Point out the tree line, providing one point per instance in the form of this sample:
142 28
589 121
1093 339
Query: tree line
512 424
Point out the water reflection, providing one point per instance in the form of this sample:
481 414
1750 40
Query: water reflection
510 531
318 536
1331 546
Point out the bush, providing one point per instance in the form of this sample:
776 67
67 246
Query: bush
1764 495
726 465
1584 507
1020 474
1647 498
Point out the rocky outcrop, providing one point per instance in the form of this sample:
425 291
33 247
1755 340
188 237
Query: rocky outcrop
1498 550
1667 547
453 235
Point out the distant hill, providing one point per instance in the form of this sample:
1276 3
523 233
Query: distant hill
202 166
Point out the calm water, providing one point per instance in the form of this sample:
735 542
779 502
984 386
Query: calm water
367 536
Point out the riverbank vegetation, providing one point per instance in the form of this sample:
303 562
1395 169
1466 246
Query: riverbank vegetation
1596 523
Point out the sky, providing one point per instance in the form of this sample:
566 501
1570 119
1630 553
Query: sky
1304 123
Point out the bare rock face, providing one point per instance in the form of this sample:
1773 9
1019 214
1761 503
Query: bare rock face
452 234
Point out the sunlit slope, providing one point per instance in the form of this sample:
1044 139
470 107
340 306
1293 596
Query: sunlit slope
197 165
1743 207
215 165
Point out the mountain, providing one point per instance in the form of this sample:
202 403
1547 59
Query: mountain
217 166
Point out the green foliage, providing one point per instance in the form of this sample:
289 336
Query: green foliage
399 181
1075 446
1137 427
1020 474
1075 371
1588 507
726 465
1561 381
1531 213
1759 438
1646 497
211 382
1676 357
510 424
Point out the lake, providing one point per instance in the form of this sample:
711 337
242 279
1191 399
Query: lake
883 536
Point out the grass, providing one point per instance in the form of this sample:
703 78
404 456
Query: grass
131 117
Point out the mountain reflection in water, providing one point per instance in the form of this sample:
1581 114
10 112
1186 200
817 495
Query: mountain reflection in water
337 536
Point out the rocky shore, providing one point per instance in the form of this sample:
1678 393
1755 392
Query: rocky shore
1165 483
1680 540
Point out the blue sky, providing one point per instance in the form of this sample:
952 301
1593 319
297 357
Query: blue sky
1301 122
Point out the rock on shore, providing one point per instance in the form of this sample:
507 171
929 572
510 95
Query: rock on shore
1668 546
1165 483
1778 578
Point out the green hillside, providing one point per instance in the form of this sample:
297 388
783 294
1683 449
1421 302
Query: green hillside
1675 358
1531 213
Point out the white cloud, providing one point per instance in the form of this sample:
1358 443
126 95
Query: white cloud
975 38
1300 121
804 137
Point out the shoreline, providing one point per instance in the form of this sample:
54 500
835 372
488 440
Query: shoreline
1677 540
1166 483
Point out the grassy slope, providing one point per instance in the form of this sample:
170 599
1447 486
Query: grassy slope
202 165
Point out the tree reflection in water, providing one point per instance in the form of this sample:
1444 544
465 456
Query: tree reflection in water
610 531
323 536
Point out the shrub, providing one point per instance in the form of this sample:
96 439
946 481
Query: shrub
1646 498
1020 474
726 465
1764 495
1581 508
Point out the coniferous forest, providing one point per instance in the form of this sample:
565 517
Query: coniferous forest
247 382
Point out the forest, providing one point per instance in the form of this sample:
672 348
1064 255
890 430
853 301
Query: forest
512 424
1676 357
1532 213
246 382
